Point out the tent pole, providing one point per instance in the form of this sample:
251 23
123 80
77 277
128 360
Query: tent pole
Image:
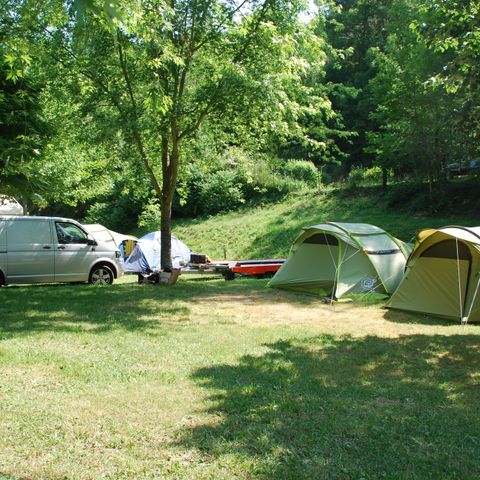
336 267
459 283
465 319
341 259
337 271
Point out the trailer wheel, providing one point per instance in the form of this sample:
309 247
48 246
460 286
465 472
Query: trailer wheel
229 275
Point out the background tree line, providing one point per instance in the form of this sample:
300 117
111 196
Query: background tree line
119 111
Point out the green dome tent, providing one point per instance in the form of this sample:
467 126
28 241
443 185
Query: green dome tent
443 274
335 259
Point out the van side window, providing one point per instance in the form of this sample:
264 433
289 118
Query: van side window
29 231
70 233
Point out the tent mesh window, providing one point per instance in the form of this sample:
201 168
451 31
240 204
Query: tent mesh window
448 249
322 239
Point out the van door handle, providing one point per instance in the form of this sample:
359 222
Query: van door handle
61 247
47 247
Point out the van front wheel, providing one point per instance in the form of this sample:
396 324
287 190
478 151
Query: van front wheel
101 275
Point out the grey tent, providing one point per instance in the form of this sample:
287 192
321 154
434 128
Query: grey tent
335 259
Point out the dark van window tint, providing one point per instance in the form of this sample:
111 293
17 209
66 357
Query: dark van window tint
322 239
69 233
448 249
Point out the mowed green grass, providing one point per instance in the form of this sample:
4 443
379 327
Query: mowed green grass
230 380
269 230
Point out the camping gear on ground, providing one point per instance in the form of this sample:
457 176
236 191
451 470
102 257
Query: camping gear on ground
103 234
443 274
145 258
169 276
335 259
199 258
10 206
230 269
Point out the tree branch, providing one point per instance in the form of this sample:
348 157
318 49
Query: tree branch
189 130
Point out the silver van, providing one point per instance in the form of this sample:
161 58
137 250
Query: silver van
52 249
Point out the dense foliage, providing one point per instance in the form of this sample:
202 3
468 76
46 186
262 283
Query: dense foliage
125 110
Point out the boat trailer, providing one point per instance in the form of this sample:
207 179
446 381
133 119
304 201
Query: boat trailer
230 269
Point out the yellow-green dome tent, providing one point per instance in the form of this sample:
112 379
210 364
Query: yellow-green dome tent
335 259
443 274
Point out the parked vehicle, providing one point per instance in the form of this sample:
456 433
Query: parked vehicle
463 168
52 249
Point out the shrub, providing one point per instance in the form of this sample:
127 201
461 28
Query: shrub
115 213
373 175
355 177
220 192
302 170
359 176
202 194
240 179
150 216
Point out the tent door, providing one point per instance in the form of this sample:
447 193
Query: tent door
437 282
432 286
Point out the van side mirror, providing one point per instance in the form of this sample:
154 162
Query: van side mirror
91 241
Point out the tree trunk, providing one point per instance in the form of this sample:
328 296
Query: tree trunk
384 178
166 209
170 161
166 233
430 186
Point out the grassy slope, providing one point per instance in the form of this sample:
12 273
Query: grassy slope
268 231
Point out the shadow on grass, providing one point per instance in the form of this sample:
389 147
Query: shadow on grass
74 308
347 408
129 306
413 318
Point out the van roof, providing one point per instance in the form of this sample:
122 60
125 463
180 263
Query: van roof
31 217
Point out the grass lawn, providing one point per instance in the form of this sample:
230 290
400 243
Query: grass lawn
225 380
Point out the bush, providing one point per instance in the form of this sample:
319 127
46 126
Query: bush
201 194
115 213
373 175
355 177
220 192
302 170
150 216
359 176
238 179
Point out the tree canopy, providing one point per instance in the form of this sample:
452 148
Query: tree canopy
196 106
